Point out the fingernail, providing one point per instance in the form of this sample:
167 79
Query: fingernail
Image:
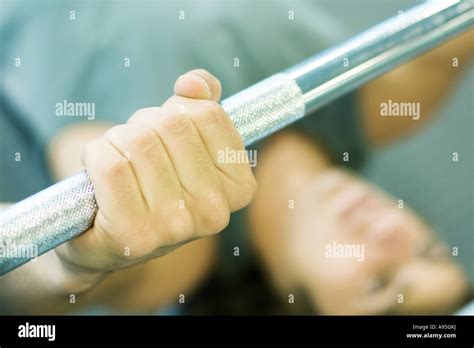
204 83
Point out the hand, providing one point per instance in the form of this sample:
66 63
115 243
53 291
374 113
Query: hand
158 182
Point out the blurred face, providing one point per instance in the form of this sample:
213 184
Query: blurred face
358 251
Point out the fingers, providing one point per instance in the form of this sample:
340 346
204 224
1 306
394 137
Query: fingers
113 180
159 181
198 84
118 195
220 137
150 162
203 191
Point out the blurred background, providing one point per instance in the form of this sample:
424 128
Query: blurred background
84 59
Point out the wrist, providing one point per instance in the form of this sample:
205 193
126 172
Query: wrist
74 279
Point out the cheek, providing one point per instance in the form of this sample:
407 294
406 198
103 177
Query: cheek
338 272
317 227
414 230
337 286
435 287
322 247
335 278
308 234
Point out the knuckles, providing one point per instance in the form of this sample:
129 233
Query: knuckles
134 240
248 188
115 169
112 168
134 137
176 125
245 190
210 112
142 139
142 114
213 213
173 225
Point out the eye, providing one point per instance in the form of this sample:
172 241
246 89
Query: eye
375 285
434 250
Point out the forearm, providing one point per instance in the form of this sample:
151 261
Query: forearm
46 286
425 81
301 157
154 192
272 208
135 288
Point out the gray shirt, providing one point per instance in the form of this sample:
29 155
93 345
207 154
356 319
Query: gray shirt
124 55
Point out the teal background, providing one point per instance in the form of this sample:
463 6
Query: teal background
83 61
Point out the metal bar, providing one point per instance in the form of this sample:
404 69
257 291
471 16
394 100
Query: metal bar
334 72
67 209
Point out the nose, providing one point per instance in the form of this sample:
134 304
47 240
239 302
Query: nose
388 238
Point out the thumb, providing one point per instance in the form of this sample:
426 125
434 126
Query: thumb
198 84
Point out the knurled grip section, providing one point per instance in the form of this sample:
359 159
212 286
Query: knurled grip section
63 211
265 107
45 220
